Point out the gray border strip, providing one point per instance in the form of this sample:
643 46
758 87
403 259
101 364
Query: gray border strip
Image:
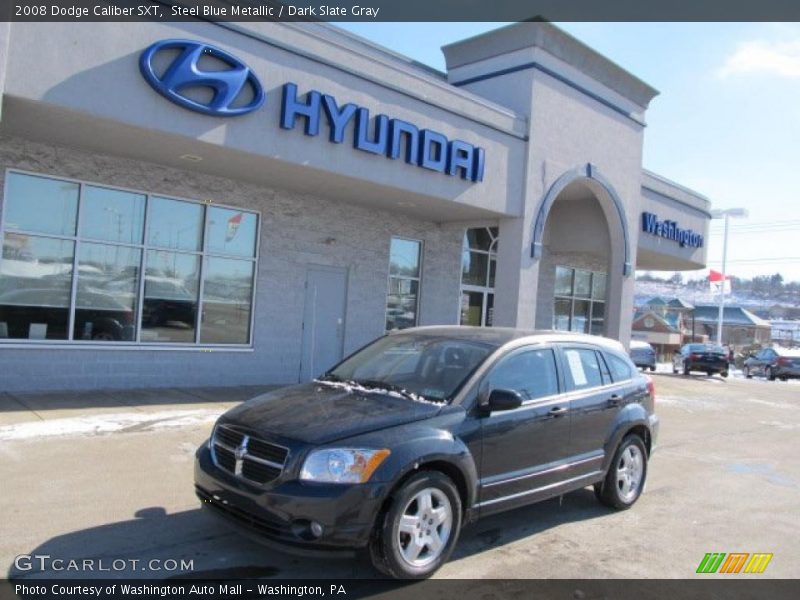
540 67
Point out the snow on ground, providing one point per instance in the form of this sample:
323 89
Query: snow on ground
101 424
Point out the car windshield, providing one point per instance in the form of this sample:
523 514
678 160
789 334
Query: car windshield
423 367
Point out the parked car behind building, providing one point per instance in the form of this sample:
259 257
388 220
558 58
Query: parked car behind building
773 363
643 355
708 358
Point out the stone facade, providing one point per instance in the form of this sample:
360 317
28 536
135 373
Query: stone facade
297 230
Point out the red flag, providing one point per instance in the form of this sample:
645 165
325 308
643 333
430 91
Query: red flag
719 283
233 226
716 276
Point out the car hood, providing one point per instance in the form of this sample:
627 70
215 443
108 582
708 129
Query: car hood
318 413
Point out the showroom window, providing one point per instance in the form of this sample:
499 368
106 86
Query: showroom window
74 253
580 303
402 298
478 266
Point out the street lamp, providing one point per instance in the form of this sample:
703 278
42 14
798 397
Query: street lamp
725 213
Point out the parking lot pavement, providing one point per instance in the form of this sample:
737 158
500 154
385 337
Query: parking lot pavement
724 478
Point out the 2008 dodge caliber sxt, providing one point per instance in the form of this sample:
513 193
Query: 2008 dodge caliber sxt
424 430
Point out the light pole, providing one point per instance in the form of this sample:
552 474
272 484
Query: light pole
725 213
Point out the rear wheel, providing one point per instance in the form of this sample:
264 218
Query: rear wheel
418 532
626 475
770 373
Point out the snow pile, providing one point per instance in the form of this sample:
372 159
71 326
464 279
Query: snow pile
352 386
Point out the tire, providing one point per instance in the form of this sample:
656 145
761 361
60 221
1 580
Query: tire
747 373
392 549
724 373
769 373
685 369
626 475
652 369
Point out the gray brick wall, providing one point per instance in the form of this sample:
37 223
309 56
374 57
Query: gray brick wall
295 232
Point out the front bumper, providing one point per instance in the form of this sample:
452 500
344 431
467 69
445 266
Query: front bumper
280 513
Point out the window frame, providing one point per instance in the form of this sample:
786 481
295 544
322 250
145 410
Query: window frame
485 290
484 387
143 247
573 298
418 279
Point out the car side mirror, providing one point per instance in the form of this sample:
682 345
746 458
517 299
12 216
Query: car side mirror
503 400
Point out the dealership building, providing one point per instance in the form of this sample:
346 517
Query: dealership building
203 203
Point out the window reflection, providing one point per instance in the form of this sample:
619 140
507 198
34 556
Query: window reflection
227 293
404 258
231 232
39 298
35 287
108 285
403 290
112 215
579 300
41 205
175 224
170 297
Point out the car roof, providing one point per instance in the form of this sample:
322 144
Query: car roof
500 336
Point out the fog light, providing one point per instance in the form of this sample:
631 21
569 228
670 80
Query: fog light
316 529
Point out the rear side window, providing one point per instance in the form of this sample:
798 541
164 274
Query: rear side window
530 373
620 369
583 368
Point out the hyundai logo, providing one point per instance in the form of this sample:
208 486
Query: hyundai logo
183 76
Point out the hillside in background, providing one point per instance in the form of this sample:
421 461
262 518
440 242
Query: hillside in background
767 296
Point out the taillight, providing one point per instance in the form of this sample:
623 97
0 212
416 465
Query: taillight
694 356
783 361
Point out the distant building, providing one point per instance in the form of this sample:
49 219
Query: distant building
666 324
785 332
740 327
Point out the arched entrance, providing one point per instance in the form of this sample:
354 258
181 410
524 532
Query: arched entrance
581 242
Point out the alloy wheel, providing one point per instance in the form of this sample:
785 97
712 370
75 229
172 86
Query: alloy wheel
630 468
425 526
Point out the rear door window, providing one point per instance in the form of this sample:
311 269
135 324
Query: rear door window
583 368
621 370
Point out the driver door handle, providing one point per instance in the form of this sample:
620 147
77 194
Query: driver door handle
557 411
614 400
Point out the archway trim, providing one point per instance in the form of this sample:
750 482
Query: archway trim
587 171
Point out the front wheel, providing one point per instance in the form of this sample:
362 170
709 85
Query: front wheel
626 475
417 534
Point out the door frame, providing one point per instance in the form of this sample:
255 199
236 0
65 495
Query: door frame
330 269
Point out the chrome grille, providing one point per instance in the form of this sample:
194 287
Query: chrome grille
244 456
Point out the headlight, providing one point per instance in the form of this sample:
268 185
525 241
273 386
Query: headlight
342 465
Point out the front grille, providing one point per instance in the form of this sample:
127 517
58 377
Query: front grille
242 455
